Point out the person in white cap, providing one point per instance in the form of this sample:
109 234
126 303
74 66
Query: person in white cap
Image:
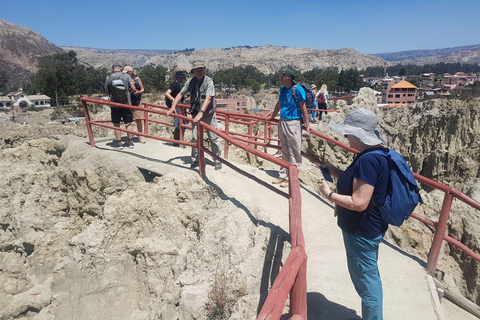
202 102
359 188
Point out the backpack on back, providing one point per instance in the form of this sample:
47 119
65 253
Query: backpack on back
308 94
119 90
402 190
321 98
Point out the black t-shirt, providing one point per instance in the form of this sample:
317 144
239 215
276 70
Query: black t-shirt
175 87
373 169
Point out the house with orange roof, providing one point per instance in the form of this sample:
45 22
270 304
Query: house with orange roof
401 94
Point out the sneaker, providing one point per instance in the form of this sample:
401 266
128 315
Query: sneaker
129 144
142 140
194 164
278 181
218 165
284 184
118 145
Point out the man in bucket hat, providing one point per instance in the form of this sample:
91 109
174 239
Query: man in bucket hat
202 102
292 109
359 188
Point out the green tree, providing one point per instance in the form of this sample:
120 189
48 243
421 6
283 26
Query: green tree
3 80
153 78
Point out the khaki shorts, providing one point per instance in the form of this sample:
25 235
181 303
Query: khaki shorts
138 114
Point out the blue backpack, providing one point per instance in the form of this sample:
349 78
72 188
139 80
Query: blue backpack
402 190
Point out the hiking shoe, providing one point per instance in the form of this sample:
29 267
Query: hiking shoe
129 144
118 145
218 165
142 140
284 184
194 164
278 181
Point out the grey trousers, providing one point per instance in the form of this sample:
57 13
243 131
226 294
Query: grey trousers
290 134
210 119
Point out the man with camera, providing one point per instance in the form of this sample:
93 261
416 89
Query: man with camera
202 108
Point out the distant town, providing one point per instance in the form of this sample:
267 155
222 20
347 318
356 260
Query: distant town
391 92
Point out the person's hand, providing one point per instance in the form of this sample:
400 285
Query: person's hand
324 188
170 111
198 117
308 128
334 171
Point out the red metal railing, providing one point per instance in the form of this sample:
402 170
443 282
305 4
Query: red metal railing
292 278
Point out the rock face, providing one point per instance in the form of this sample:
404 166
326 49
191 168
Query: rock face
267 59
83 233
21 49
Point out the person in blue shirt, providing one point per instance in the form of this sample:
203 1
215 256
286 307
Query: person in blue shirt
361 185
292 109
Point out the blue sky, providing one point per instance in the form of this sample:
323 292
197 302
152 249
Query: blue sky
369 26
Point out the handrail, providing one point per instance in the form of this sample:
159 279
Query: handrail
282 282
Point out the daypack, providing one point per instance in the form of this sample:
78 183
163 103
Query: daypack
119 90
321 98
308 94
402 190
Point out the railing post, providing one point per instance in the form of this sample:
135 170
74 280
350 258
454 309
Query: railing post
266 136
145 117
201 153
439 233
250 132
227 131
89 125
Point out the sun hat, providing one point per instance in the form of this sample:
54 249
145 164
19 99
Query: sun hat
313 86
127 69
198 65
360 123
180 74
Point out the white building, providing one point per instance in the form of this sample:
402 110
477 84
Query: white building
19 98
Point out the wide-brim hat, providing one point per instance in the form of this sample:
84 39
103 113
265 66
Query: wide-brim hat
127 69
360 123
198 65
180 74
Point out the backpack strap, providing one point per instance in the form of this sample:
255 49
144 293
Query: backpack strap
294 93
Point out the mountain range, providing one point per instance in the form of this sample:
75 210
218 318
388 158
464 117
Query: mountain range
21 49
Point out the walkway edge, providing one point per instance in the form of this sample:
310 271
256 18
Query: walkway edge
437 307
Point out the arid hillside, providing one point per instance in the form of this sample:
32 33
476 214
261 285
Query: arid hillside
267 59
20 51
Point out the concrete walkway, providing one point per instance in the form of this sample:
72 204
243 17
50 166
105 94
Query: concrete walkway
330 292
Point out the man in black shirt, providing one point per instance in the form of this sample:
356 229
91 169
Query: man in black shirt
170 95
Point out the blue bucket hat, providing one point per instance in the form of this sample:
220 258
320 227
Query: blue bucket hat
360 123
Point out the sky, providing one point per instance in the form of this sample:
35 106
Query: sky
368 26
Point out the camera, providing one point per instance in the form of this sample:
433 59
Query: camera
194 106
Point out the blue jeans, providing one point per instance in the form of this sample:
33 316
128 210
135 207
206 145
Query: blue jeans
312 115
362 257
